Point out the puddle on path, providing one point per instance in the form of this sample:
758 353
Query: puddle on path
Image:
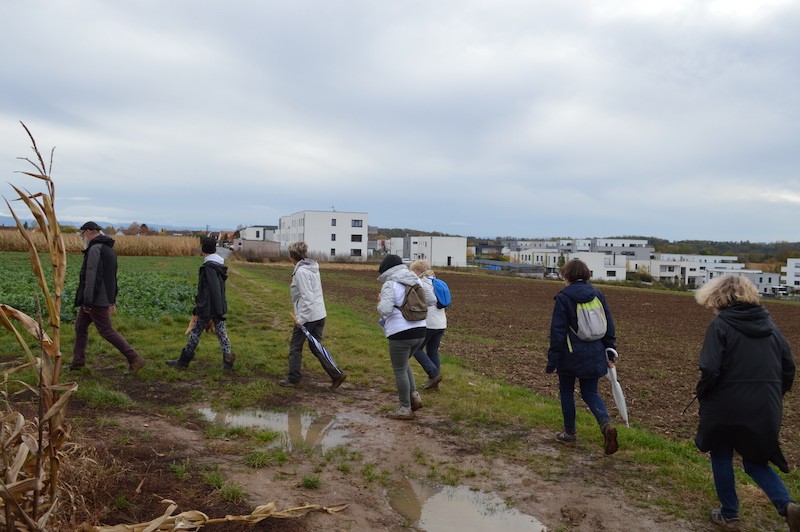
307 429
446 508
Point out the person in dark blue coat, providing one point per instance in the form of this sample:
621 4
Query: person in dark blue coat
576 359
746 367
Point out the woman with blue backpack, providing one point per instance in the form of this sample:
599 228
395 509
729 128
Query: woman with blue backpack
436 323
580 332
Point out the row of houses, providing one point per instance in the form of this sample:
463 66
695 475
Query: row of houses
612 259
336 235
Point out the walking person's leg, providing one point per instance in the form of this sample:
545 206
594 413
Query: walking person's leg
82 321
224 343
187 353
725 481
101 317
598 407
433 337
294 374
424 360
770 483
566 392
400 352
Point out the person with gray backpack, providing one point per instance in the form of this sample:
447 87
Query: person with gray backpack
581 330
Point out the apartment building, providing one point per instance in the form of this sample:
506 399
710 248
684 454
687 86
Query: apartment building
329 234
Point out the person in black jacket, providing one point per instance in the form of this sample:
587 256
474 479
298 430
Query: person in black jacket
573 358
97 296
746 366
211 306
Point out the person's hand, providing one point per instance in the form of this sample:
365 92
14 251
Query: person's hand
87 310
112 309
550 369
611 364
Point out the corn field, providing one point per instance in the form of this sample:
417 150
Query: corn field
133 246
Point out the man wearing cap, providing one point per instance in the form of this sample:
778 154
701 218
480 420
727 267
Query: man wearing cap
211 306
96 297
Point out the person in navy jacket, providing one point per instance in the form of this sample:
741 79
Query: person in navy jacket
575 359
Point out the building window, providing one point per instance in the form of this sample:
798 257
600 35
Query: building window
611 273
258 235
358 223
333 237
355 252
355 238
333 252
333 222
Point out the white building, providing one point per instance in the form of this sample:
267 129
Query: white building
791 274
603 266
258 232
547 257
329 234
766 282
439 250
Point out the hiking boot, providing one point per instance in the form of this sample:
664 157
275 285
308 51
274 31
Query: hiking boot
136 364
433 382
227 361
286 383
610 445
416 401
403 412
567 438
793 517
183 360
338 380
726 523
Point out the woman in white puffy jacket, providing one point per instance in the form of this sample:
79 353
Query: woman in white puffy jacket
405 337
436 322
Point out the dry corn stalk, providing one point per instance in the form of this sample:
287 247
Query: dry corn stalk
31 451
195 520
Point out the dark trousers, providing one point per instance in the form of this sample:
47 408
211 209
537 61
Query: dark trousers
566 387
101 317
428 354
296 351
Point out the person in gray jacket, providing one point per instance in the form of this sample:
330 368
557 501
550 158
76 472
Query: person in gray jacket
405 337
96 298
309 312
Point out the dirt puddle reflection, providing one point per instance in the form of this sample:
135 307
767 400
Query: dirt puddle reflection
447 508
296 429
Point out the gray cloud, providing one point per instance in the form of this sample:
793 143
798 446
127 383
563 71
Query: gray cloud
672 119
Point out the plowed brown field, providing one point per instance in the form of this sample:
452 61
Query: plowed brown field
500 325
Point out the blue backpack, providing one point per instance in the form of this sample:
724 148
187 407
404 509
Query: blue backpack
442 292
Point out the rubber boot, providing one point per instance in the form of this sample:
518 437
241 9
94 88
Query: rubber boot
183 361
227 361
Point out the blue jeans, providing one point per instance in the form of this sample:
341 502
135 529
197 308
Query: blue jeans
428 354
763 475
566 388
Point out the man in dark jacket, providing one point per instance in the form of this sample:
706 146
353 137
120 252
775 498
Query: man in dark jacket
96 297
746 366
210 307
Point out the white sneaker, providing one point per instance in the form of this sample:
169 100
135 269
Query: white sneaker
416 401
402 412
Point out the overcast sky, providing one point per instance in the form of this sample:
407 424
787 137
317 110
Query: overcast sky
678 119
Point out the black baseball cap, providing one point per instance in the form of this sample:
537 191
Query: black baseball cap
90 226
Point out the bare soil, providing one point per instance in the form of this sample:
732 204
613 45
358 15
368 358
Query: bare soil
498 327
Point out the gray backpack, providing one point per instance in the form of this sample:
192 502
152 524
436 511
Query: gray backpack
592 323
414 307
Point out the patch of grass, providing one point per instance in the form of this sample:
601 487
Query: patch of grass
98 396
213 479
266 436
310 482
260 459
181 469
232 492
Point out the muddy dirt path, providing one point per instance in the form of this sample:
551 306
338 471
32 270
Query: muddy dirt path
408 459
